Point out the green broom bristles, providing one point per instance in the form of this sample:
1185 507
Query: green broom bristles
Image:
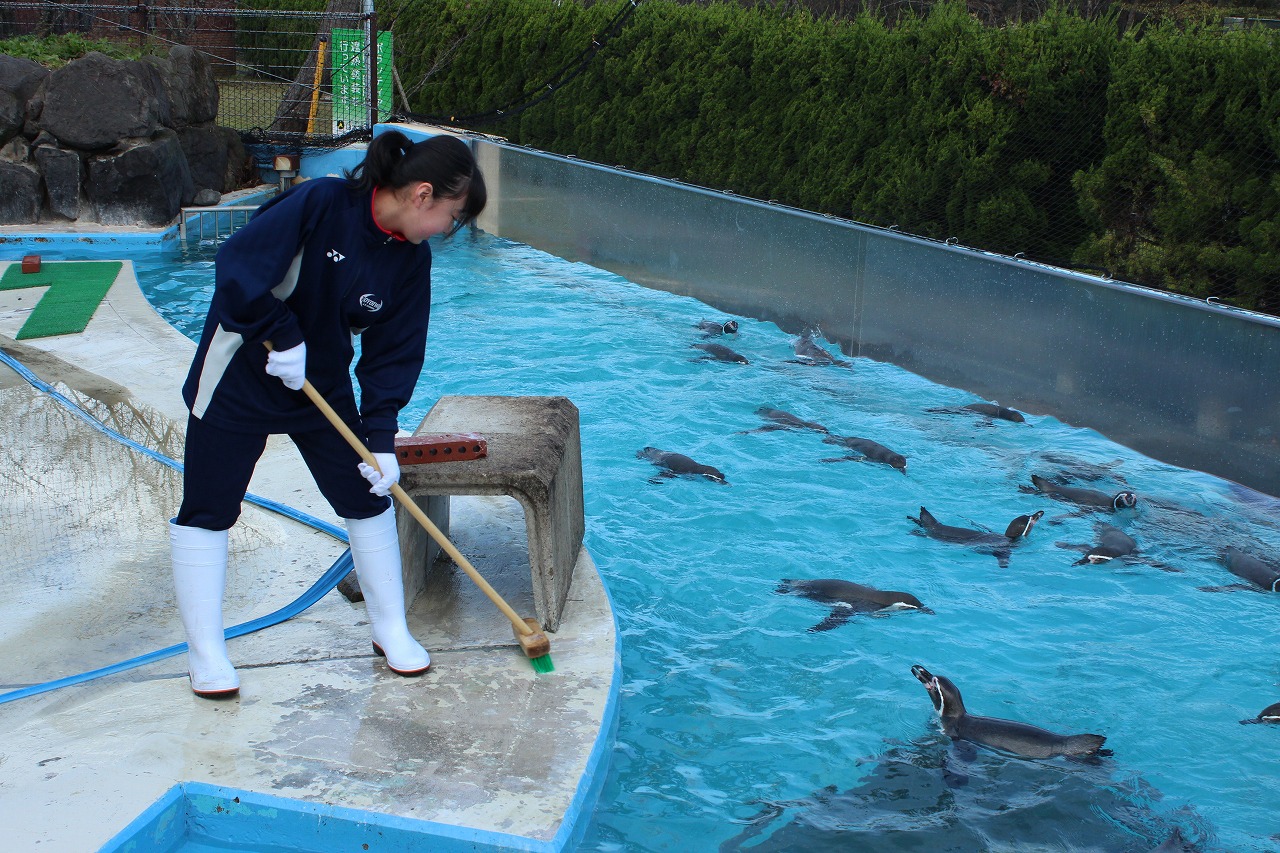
542 663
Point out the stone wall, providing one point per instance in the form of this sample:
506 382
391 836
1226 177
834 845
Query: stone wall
112 141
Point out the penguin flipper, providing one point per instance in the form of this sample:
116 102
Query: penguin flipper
837 617
964 750
1231 587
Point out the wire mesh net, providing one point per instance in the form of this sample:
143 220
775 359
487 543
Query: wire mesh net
284 76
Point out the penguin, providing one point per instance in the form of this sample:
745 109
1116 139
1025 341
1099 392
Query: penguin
869 450
990 411
1090 498
1261 575
677 465
719 352
783 420
1112 543
1269 714
998 412
1007 736
848 599
811 352
711 327
996 544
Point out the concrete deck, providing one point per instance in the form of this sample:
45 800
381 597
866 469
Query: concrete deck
481 742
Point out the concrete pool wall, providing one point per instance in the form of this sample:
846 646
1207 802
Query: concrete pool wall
1190 383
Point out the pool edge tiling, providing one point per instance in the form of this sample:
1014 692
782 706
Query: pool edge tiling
481 748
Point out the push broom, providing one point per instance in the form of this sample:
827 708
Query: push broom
528 632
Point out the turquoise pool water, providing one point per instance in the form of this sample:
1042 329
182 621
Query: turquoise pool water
741 729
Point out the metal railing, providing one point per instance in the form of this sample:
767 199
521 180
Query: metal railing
234 216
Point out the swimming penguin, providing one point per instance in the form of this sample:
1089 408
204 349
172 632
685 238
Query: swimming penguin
1112 543
988 410
869 449
1252 569
992 410
848 599
811 352
1020 739
996 544
677 465
711 327
783 420
720 352
1269 714
1085 497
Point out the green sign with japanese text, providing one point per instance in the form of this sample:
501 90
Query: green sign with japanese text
350 74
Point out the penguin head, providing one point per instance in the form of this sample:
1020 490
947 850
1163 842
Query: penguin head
909 601
1124 500
730 327
942 692
1022 525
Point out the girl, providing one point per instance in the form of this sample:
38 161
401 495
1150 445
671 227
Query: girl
317 265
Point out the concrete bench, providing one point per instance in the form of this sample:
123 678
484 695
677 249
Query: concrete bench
534 456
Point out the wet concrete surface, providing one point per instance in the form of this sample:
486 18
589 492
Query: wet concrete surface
481 741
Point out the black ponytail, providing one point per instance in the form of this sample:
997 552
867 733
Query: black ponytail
392 161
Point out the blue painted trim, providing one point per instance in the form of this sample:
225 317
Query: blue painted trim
578 815
229 817
161 828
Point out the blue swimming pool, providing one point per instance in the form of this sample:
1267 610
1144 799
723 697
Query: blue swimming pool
741 728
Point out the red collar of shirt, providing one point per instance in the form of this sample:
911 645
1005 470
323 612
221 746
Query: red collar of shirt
372 210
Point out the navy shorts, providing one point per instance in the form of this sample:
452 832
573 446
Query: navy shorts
218 465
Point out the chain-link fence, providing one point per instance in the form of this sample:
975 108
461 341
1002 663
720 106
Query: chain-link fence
283 76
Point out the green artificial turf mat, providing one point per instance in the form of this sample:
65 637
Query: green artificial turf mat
76 289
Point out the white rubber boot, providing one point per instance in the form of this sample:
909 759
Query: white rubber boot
375 550
199 576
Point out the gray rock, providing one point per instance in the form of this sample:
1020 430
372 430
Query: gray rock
21 77
13 114
241 171
20 194
95 101
63 173
146 183
188 81
16 150
206 152
207 198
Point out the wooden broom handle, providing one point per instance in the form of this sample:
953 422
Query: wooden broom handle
411 505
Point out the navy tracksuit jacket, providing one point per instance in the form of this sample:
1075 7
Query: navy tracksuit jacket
313 266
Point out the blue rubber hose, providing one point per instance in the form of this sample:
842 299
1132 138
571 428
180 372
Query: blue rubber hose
318 590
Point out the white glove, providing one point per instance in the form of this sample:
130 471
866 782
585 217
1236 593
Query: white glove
385 478
290 365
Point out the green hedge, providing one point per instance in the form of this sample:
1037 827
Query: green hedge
1188 193
1156 155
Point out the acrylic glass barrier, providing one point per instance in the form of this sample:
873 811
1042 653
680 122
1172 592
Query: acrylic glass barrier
1192 384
